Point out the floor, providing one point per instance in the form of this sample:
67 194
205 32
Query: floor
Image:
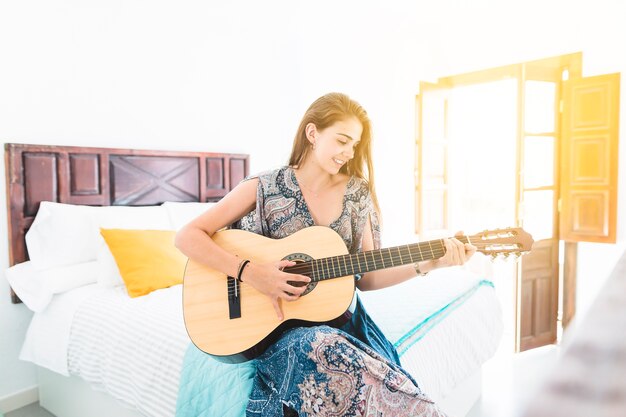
31 410
509 382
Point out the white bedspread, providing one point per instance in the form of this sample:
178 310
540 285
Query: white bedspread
48 334
398 309
458 338
134 348
456 347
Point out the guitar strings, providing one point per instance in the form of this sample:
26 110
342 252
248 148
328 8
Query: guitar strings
308 265
304 266
337 271
397 257
333 271
435 253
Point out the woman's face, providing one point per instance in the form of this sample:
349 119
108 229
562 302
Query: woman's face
335 145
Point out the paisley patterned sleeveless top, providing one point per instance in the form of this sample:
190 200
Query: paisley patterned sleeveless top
281 210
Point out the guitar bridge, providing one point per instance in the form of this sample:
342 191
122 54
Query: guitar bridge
234 298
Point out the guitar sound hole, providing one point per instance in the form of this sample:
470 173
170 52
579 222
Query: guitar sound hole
300 258
310 287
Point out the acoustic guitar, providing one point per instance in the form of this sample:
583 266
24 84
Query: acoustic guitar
234 322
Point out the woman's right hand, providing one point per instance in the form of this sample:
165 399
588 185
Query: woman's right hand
269 279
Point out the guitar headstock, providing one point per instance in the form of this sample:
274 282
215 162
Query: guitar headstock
511 241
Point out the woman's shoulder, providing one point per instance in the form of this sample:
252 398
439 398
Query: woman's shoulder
267 175
362 182
273 181
357 186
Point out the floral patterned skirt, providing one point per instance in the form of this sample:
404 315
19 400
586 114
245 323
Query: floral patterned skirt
322 371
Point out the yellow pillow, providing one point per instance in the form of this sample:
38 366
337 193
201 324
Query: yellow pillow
147 259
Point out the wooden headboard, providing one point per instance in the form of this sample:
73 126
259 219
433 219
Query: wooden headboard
106 177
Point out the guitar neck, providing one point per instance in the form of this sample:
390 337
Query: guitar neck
362 262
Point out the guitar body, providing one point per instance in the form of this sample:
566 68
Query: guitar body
206 302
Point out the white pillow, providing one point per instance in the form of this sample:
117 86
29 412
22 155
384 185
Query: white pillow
26 283
36 287
61 234
129 217
67 234
182 213
108 273
61 279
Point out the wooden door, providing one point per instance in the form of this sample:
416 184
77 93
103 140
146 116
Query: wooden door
588 171
538 282
590 159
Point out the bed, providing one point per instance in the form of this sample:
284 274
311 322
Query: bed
101 353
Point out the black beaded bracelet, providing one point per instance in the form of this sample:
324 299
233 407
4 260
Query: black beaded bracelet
242 265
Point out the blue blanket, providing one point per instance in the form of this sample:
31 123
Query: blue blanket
209 388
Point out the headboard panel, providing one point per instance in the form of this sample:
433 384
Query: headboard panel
103 177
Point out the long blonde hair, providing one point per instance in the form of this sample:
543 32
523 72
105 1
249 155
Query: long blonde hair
326 111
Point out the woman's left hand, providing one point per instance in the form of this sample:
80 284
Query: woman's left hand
457 253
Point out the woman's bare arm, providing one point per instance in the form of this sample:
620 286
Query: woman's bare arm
457 253
194 240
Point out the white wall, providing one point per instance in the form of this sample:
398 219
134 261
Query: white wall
237 77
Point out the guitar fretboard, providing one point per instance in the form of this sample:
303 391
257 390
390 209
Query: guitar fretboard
359 263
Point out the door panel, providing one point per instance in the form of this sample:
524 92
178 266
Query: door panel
543 306
539 295
526 322
589 159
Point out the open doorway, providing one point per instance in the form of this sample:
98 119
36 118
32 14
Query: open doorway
487 157
482 169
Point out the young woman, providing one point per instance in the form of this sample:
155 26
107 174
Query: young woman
320 371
